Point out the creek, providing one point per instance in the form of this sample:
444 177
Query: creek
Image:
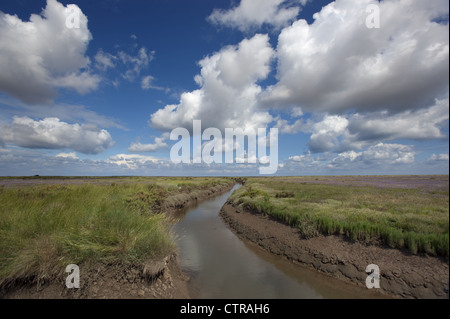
221 266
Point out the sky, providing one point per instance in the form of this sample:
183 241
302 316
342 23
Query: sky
354 87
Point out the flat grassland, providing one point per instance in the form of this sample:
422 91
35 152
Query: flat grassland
404 212
49 223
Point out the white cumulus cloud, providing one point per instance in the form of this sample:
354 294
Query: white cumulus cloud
51 133
139 147
131 161
71 155
381 154
250 14
228 93
325 133
339 133
336 64
43 54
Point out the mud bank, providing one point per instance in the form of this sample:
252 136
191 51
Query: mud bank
111 282
402 275
161 279
181 201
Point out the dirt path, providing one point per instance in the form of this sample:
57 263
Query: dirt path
402 275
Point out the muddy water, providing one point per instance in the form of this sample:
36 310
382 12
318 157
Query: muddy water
220 265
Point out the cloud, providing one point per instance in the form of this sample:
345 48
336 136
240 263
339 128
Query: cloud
41 55
325 133
336 64
423 124
21 162
126 66
252 14
380 154
131 161
438 158
104 61
72 155
339 133
308 160
63 111
51 133
82 82
135 63
146 83
228 90
138 147
381 158
287 128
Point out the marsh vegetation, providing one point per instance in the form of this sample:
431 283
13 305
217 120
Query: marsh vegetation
374 210
48 223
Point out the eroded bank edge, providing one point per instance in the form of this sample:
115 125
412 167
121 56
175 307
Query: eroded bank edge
412 276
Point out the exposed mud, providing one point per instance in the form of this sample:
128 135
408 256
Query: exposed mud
110 282
402 275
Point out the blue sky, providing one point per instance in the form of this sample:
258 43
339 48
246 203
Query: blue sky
103 98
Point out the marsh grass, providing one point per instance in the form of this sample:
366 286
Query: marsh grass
400 218
43 228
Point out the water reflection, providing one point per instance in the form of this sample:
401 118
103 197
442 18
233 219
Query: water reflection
222 266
